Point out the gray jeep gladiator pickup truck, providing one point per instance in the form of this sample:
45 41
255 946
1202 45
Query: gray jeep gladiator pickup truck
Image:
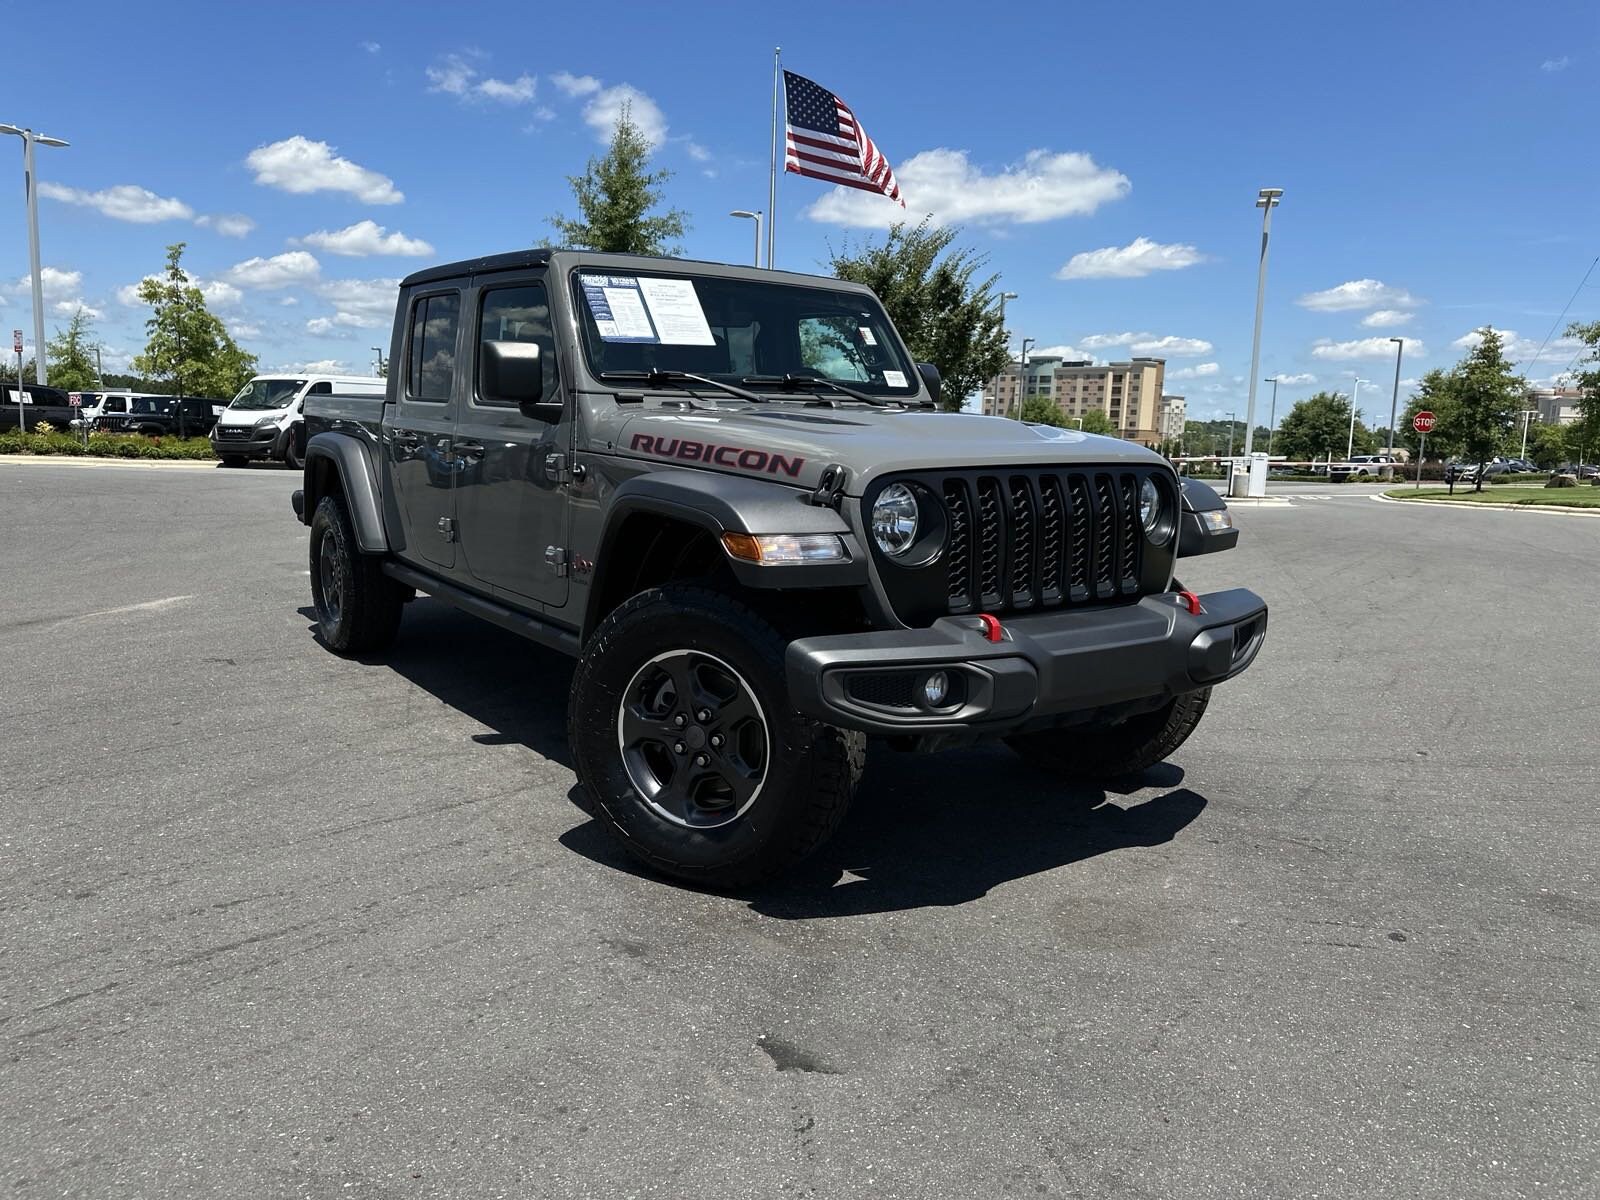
729 493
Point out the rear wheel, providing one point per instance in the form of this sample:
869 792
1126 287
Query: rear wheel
358 606
1111 751
685 738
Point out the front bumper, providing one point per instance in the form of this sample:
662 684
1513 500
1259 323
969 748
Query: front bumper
261 443
1047 669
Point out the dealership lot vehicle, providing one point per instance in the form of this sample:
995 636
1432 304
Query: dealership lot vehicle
266 418
735 503
1363 466
162 416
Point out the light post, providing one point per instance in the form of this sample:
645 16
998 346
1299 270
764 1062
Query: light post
1233 419
99 378
1526 414
1266 199
1004 296
1394 400
1022 371
756 217
30 185
378 362
1350 444
1272 421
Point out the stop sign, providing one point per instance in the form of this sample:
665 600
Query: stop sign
1422 422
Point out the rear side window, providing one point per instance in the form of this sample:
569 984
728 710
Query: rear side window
519 314
431 361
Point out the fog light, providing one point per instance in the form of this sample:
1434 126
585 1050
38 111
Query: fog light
936 689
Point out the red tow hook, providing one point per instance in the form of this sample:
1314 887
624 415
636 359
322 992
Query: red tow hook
991 626
1191 602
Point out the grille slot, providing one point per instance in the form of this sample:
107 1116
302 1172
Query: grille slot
883 689
1039 538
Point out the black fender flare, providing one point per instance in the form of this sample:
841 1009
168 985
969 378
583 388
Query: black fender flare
357 477
720 503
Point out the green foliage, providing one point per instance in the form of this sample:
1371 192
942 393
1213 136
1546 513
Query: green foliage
1487 397
1096 421
945 316
69 356
1547 444
1318 426
1041 410
615 195
1584 435
1435 394
188 347
104 445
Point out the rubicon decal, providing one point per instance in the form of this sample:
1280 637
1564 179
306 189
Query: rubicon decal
741 457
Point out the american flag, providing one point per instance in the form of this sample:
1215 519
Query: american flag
825 141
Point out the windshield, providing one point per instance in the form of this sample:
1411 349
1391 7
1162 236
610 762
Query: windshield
267 393
736 329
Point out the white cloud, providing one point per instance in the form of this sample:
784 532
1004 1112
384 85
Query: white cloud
67 308
605 107
366 238
1386 318
129 293
280 271
1557 354
1552 65
319 325
1372 347
454 76
321 366
1357 294
1138 258
575 85
371 47
218 293
289 301
124 202
1198 371
241 329
54 282
359 303
1150 344
944 184
1070 353
301 166
698 152
227 224
1299 380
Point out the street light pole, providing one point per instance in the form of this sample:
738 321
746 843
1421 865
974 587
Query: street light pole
1004 296
30 185
1233 419
1272 421
1022 371
756 217
1266 200
1394 400
1526 414
1350 445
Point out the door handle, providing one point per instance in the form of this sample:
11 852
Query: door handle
406 440
468 449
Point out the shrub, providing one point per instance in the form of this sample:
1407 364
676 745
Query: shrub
105 445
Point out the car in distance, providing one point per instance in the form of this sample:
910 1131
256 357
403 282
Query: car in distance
730 494
264 420
1362 466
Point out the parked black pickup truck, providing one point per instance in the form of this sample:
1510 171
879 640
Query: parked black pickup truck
158 416
731 494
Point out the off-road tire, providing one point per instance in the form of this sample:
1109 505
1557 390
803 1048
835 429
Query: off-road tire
811 769
1115 751
235 460
360 613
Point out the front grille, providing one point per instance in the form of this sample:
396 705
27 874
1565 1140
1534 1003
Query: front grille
1033 539
234 431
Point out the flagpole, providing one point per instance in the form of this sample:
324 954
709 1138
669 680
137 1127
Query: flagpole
772 178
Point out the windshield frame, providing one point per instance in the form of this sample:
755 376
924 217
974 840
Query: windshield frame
266 384
830 302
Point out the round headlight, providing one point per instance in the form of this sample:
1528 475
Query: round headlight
894 519
1149 506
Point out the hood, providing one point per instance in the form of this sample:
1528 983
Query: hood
239 416
793 444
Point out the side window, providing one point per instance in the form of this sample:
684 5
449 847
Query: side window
324 388
119 405
431 365
519 314
832 346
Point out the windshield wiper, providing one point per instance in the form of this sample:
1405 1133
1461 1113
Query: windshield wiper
655 377
791 382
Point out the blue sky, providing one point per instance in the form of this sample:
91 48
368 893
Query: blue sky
1436 160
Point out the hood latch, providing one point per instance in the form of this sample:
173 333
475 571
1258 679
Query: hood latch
829 491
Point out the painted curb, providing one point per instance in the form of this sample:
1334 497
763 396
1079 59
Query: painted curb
1552 510
87 460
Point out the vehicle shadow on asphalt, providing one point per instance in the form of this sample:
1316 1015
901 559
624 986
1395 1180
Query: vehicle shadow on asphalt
945 829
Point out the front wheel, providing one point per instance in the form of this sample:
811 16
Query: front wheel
684 736
358 606
1114 751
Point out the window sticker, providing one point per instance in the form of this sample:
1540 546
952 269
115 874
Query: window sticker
675 309
894 379
866 335
618 308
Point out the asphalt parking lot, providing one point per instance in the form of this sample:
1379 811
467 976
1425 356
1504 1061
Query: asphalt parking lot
277 924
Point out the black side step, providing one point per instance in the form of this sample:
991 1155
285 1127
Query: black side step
532 628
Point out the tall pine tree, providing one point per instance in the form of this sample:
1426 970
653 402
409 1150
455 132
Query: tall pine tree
615 197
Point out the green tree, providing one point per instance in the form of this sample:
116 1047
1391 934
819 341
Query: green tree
615 195
1436 393
69 356
1584 435
1096 421
1318 426
188 346
1488 395
1547 444
946 316
1041 410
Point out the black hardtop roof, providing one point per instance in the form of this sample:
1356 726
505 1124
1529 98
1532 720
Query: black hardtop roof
541 256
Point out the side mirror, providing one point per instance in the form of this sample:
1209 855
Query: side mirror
930 376
511 373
